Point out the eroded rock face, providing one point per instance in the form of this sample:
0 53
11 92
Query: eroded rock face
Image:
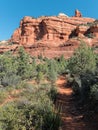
54 36
16 36
54 29
94 30
81 30
89 30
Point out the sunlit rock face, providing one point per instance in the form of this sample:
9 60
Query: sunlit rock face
54 29
53 36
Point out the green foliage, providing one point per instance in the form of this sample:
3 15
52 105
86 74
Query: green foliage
11 118
8 70
52 71
39 77
24 66
13 69
3 95
94 92
76 85
83 60
53 93
62 65
83 69
33 65
52 121
34 110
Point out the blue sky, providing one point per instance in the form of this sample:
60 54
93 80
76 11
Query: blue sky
12 11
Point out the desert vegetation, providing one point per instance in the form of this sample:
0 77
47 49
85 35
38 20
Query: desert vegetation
83 76
28 91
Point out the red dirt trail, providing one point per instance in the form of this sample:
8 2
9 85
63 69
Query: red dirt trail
72 119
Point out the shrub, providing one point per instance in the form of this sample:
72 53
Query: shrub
83 60
82 66
11 118
24 66
94 92
34 110
10 80
3 95
52 121
39 77
53 93
52 74
61 65
8 70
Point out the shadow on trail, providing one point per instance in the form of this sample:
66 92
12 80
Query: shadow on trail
72 118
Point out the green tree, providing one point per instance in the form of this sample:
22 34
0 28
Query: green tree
83 60
8 70
83 65
52 74
24 66
62 64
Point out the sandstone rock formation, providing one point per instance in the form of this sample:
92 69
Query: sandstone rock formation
53 36
94 30
81 30
78 13
89 30
53 30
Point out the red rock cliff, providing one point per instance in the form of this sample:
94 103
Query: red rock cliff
53 36
53 30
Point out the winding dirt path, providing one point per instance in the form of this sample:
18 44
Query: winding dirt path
72 119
